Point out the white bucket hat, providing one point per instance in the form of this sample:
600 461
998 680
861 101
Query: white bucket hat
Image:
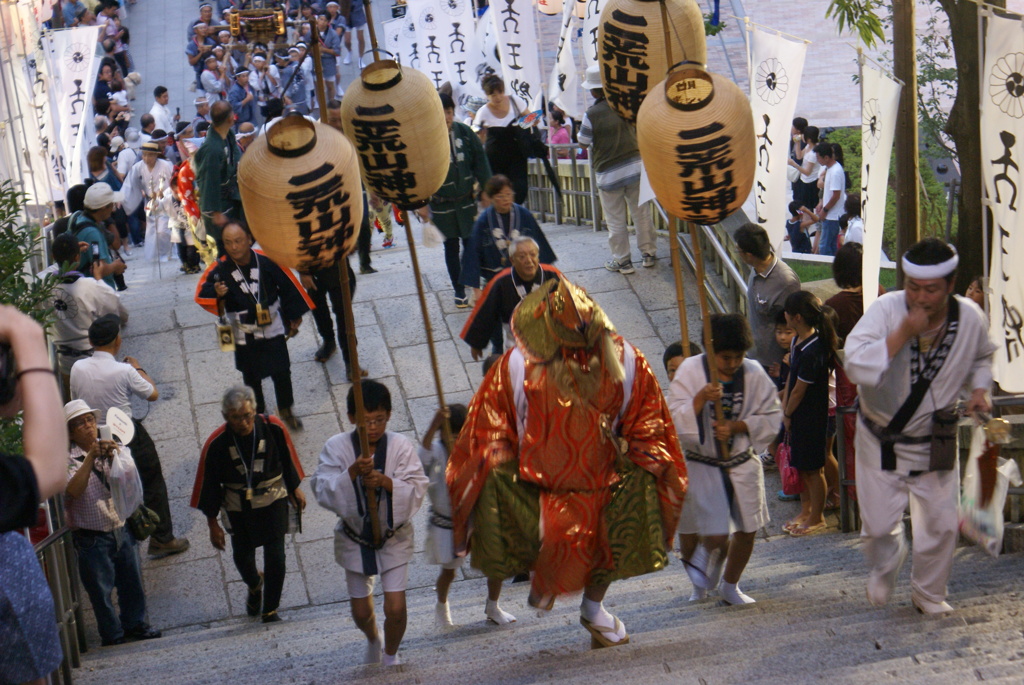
592 79
76 408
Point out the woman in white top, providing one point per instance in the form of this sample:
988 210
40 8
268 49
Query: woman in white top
495 123
805 190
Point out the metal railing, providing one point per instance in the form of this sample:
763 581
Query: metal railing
56 555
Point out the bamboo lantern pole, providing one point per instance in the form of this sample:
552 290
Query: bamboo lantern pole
371 30
705 315
677 270
446 429
346 298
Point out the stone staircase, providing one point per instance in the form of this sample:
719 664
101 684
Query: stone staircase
811 623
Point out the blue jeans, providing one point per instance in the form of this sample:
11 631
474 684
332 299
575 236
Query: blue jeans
829 237
106 561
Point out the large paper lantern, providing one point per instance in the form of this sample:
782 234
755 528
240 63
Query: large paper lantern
301 193
395 120
695 131
632 50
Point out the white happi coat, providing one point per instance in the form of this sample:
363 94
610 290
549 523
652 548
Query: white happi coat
760 409
335 490
885 383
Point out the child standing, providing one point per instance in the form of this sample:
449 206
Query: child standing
805 405
725 495
440 542
341 483
779 372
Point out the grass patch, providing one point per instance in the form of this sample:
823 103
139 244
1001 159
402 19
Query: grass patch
812 271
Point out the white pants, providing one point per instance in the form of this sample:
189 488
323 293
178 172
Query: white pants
883 497
158 237
614 203
393 580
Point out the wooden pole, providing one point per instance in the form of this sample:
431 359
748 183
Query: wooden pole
908 151
677 270
371 30
705 315
446 429
346 297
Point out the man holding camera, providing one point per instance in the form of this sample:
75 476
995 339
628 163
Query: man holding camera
87 227
106 549
103 382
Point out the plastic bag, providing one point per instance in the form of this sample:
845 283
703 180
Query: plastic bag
432 236
792 483
125 484
984 527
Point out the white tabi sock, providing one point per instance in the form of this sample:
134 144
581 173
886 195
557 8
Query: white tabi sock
698 594
442 615
495 614
732 594
373 651
391 660
601 619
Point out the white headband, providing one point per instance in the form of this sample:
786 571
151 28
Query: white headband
931 271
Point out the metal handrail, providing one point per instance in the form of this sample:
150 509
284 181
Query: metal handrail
726 258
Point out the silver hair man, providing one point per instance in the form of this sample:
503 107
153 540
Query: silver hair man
235 397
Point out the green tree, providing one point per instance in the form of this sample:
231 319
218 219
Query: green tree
18 286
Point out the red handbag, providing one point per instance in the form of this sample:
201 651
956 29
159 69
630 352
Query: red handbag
792 484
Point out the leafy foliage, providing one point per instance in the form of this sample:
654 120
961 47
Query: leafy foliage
858 16
18 286
711 29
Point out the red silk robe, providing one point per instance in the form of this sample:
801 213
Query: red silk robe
564 451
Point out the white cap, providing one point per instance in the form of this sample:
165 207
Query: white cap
115 143
100 195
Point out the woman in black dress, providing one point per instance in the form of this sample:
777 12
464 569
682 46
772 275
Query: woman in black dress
497 123
805 405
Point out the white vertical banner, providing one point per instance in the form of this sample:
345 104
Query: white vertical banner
485 49
516 31
1002 154
562 89
591 25
430 40
458 37
73 66
776 65
880 101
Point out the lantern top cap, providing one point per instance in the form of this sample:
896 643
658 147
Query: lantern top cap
382 74
292 136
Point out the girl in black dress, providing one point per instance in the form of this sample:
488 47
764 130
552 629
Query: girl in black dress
805 405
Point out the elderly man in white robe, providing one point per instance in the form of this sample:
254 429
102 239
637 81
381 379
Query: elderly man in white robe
914 354
149 182
341 482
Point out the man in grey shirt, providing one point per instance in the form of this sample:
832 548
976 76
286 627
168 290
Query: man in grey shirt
769 283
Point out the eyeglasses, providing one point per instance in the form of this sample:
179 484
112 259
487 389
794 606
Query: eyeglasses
371 423
241 418
81 421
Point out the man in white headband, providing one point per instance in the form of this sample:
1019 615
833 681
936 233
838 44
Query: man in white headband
912 353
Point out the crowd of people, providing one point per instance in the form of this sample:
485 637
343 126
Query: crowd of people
569 429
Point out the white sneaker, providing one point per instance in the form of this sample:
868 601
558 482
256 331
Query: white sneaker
495 614
648 260
442 616
622 267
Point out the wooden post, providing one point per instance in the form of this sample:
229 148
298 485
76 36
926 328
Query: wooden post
677 270
346 296
368 11
907 148
705 315
446 429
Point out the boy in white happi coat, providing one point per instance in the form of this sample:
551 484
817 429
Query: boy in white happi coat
340 484
726 495
913 354
440 549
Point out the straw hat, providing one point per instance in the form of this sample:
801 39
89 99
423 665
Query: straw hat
685 106
385 93
620 59
301 192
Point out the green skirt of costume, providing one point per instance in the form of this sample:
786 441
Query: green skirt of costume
507 519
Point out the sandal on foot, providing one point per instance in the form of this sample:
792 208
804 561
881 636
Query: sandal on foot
804 531
791 524
832 502
599 639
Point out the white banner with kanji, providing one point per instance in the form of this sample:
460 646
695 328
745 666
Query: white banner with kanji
776 65
516 31
1002 154
562 89
880 101
72 55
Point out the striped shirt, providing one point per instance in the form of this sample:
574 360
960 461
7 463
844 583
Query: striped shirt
94 508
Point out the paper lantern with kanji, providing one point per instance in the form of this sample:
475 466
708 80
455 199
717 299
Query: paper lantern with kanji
632 48
394 118
695 131
301 194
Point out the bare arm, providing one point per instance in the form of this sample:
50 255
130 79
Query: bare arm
46 448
